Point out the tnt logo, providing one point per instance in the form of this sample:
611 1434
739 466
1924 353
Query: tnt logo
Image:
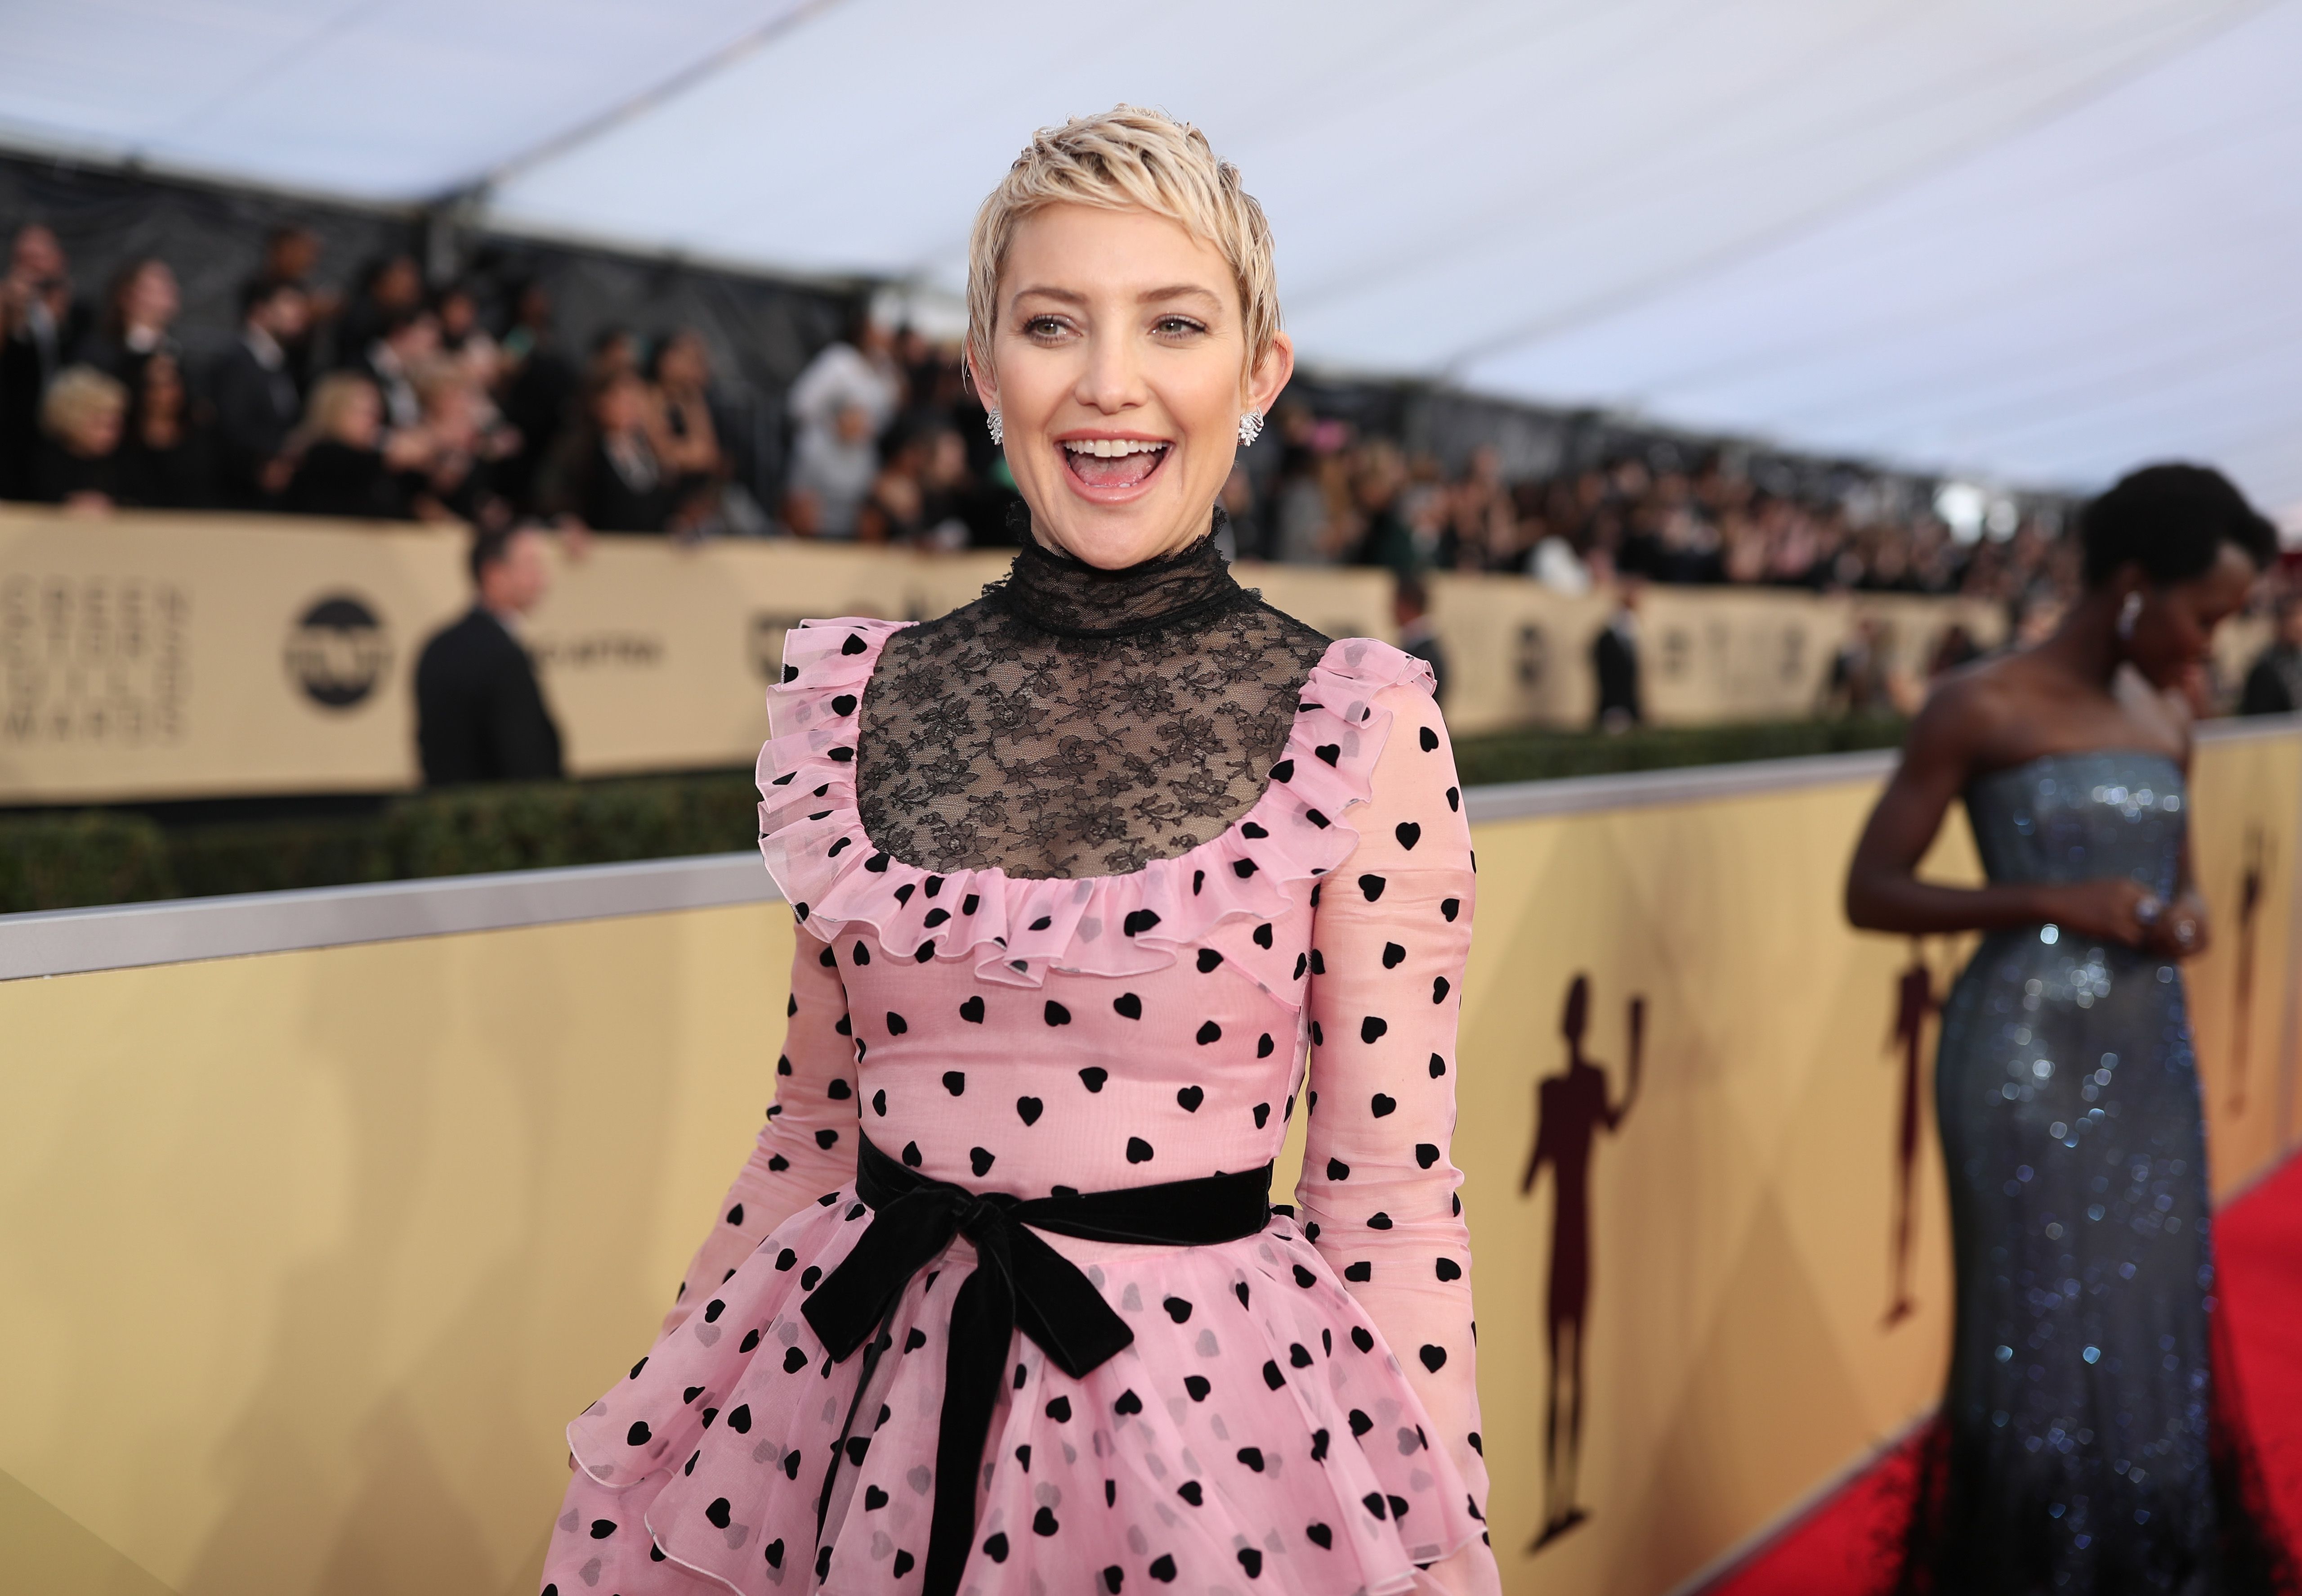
338 652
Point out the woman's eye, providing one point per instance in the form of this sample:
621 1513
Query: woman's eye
1043 326
1178 326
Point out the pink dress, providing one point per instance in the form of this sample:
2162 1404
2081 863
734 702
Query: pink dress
1297 1412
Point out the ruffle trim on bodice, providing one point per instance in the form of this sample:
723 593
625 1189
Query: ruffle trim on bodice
1017 928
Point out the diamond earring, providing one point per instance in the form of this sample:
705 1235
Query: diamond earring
998 431
1250 427
2129 613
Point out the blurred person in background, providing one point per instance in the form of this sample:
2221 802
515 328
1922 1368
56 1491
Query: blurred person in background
391 360
1615 662
171 454
835 466
951 498
41 324
257 402
1554 563
480 714
454 482
615 350
1299 519
859 372
456 309
894 510
839 406
1861 677
2067 1085
538 386
2038 615
2273 686
1953 648
685 429
605 475
85 415
1386 540
292 255
346 464
389 289
140 309
1410 611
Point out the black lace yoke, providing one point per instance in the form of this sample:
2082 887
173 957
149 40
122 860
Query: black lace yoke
1080 722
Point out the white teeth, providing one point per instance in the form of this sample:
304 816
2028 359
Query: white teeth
1110 449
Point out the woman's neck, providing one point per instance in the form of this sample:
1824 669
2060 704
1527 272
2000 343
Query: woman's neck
2085 646
1064 594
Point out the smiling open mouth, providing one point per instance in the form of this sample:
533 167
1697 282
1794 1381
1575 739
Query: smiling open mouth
1112 462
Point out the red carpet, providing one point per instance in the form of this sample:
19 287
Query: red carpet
1836 1550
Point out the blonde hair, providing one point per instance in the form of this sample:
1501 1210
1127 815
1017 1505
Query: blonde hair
332 396
79 395
1122 159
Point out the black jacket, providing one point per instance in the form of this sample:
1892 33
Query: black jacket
1615 660
2270 685
479 714
257 408
335 479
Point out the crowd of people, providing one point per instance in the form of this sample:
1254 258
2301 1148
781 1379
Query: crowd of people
404 398
1342 499
409 400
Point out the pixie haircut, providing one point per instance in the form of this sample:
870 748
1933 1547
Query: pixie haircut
1122 159
2173 521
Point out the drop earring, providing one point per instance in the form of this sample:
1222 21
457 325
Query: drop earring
1250 427
998 432
2129 613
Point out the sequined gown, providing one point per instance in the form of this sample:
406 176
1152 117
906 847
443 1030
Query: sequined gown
1093 877
2076 1422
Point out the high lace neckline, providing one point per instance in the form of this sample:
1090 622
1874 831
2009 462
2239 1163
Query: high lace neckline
1066 596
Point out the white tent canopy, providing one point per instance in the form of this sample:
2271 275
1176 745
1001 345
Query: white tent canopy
2033 240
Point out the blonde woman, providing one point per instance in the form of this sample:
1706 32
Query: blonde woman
346 462
84 413
1093 876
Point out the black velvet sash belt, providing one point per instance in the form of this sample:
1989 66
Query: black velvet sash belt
1019 1281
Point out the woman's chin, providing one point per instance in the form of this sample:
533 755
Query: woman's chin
1113 536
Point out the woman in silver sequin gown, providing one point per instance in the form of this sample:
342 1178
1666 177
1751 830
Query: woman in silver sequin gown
2081 1447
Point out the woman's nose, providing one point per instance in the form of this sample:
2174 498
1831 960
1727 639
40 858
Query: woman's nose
1113 378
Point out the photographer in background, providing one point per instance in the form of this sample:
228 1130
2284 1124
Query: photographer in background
40 326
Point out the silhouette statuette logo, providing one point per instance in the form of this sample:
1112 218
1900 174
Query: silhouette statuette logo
1570 1109
1914 1003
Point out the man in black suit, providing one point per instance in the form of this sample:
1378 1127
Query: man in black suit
257 399
1615 660
480 715
2274 685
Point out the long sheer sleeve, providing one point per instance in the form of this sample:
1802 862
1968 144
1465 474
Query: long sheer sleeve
808 1145
1393 929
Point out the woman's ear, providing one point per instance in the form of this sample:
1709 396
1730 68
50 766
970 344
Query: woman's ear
986 383
1271 375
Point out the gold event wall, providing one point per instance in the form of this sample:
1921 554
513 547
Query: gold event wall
305 1259
173 656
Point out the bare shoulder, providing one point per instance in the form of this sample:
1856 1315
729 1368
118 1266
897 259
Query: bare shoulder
1971 713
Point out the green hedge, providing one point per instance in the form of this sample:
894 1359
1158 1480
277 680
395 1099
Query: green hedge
62 861
1549 756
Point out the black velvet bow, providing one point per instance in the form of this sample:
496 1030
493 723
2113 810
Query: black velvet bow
1019 1281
